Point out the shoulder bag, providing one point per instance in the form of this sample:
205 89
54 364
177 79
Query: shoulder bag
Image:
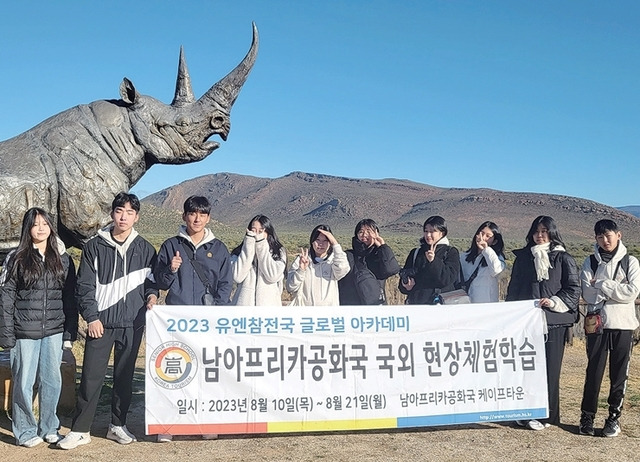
459 296
207 298
593 323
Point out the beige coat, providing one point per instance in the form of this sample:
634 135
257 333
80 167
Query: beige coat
258 275
318 284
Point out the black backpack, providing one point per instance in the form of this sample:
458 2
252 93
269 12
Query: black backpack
623 263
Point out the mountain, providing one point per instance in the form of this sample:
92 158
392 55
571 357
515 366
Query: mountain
299 201
632 209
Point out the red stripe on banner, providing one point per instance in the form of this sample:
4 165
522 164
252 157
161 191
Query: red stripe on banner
205 429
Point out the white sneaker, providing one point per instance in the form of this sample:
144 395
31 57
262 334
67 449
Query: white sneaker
164 438
210 436
32 442
129 434
53 438
120 434
73 440
537 425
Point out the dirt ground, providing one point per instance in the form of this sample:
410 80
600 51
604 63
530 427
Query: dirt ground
486 442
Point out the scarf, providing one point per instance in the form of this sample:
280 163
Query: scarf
541 259
607 256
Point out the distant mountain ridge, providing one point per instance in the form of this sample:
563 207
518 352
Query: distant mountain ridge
299 201
632 209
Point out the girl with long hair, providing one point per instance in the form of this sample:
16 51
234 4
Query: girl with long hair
39 316
482 264
544 271
314 274
259 265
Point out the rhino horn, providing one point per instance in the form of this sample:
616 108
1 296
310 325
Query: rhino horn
184 92
225 92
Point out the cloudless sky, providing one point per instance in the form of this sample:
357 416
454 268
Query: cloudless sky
539 96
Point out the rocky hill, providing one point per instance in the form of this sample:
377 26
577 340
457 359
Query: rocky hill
299 201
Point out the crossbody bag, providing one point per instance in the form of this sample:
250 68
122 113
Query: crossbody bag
458 296
207 298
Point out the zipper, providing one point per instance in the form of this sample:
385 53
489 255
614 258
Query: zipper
44 301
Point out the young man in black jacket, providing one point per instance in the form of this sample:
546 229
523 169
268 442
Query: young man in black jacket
194 266
115 286
194 263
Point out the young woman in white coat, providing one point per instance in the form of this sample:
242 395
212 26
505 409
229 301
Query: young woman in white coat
314 275
259 265
483 263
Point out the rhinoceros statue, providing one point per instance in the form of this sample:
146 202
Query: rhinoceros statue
75 162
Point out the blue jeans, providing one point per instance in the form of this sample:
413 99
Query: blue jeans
36 361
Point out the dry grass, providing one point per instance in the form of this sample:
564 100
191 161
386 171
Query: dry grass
486 442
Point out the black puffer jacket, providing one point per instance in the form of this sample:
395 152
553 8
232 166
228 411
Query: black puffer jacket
563 283
439 275
45 309
379 260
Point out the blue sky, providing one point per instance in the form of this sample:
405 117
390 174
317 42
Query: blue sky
538 96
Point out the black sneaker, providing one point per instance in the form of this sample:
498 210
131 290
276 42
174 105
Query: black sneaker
586 425
611 428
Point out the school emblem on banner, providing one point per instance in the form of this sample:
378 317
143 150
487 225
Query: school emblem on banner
173 365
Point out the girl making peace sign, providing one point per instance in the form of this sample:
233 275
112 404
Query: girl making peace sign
314 275
433 267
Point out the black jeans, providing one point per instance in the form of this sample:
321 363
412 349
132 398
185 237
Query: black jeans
94 368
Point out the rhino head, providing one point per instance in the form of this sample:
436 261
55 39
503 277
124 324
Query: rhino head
180 133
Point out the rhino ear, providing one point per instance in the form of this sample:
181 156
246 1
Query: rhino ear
128 91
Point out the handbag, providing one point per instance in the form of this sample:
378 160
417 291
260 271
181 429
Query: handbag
459 296
453 297
207 298
593 323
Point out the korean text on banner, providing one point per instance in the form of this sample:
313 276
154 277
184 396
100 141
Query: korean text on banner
291 369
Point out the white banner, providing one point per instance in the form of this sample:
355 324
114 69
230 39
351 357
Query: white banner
292 369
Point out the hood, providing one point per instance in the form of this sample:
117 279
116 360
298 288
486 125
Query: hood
621 252
208 236
105 234
62 249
